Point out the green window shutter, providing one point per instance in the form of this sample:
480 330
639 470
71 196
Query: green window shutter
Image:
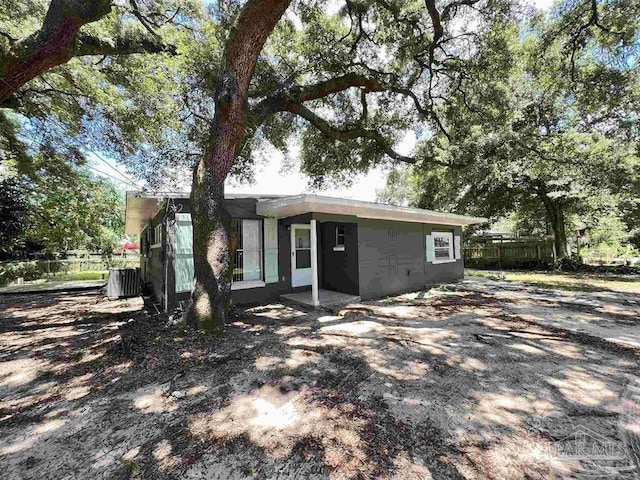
456 246
270 250
431 252
184 253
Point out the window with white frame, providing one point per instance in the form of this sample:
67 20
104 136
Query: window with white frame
443 246
248 259
340 235
156 236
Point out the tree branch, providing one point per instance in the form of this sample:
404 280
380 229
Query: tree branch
344 135
576 39
451 9
365 109
143 20
50 46
300 94
8 37
58 41
335 85
91 45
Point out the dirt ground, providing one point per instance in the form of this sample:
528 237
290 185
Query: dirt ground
468 381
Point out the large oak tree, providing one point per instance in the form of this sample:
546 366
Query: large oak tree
344 79
350 81
555 140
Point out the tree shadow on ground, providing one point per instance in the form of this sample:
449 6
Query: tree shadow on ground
448 384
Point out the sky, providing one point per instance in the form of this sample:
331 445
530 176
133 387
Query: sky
272 178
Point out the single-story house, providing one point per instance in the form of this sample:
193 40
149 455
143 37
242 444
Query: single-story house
309 248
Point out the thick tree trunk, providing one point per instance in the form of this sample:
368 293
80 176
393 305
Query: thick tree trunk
560 234
555 215
213 252
213 240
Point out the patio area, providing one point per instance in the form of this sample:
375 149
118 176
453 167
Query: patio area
476 380
327 298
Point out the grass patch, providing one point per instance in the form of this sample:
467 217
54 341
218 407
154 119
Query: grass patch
46 373
77 355
585 282
130 466
77 276
180 329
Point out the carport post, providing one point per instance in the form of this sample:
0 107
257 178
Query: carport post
314 265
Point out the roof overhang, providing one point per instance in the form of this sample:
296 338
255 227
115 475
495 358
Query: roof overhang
142 207
299 204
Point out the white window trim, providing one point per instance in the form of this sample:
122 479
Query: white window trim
339 247
343 236
452 256
247 284
157 234
244 284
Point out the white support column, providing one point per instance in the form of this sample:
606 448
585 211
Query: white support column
314 265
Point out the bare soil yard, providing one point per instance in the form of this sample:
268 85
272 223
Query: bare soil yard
482 379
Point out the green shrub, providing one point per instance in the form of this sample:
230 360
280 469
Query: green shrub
509 264
61 269
11 271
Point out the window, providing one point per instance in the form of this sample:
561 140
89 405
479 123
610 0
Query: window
339 238
442 246
303 247
156 236
248 260
339 235
183 262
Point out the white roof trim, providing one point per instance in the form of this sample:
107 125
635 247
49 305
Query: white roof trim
143 206
299 204
163 195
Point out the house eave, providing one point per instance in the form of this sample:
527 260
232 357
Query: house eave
300 204
142 206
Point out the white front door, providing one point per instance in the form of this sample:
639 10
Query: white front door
300 255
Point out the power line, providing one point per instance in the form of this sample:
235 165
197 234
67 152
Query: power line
101 158
111 176
127 180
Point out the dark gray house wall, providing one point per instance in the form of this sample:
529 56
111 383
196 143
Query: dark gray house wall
380 258
339 269
392 258
242 208
153 259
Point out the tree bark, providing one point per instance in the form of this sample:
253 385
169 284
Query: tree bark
50 46
214 248
555 214
58 40
213 252
560 234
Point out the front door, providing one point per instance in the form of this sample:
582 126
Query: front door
300 255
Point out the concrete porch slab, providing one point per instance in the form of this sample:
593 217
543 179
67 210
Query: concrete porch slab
327 298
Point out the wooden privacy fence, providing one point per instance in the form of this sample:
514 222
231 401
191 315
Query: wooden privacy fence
512 253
